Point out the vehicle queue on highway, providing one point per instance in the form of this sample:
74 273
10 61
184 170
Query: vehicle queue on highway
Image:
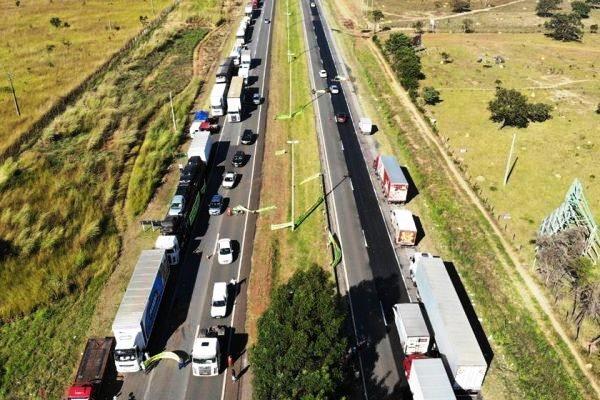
136 317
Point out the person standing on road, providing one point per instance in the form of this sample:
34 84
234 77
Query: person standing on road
234 376
230 361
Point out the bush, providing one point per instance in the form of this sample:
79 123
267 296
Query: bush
539 112
459 6
430 95
404 60
581 9
594 28
55 22
301 341
544 8
467 25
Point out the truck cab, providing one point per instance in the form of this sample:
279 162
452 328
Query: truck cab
128 357
414 261
170 244
206 354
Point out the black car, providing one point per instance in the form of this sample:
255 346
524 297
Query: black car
238 158
216 205
247 136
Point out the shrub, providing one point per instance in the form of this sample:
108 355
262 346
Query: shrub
544 8
430 95
581 9
459 6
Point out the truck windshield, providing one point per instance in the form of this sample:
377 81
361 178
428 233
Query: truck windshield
204 360
125 355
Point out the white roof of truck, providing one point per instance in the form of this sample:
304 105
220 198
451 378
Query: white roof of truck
165 242
431 380
129 315
412 318
452 330
204 347
393 169
404 219
235 89
218 91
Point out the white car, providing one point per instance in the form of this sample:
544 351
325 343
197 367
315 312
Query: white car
224 251
334 89
312 4
218 308
323 73
229 179
177 205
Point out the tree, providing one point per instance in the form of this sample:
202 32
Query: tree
301 341
594 28
395 42
459 6
581 9
544 8
377 16
511 108
418 26
467 25
407 66
430 95
564 27
56 22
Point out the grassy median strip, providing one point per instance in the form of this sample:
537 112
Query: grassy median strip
279 253
530 360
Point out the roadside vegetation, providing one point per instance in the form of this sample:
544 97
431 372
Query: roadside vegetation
63 202
48 48
301 340
529 355
279 253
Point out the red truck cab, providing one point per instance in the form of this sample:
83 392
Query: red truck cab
254 4
92 374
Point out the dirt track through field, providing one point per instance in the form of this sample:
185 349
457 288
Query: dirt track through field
458 179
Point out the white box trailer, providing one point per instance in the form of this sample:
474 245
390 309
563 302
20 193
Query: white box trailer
365 125
405 230
393 182
234 99
201 146
454 336
412 329
248 9
241 32
218 97
428 380
136 316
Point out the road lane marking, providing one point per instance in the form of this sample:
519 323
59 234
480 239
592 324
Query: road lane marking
383 314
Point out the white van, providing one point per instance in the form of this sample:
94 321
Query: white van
218 307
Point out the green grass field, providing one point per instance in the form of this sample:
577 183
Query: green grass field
278 254
46 62
63 201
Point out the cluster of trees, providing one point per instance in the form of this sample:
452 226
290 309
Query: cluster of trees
404 61
299 353
511 108
563 26
566 273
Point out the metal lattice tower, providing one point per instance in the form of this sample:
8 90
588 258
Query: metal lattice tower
574 211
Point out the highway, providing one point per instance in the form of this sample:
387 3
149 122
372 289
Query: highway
187 299
369 273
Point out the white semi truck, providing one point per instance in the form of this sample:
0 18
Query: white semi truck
234 99
206 352
218 97
246 62
201 146
136 317
454 336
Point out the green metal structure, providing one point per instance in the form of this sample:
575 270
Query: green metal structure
574 211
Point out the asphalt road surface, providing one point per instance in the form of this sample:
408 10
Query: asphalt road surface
369 270
187 299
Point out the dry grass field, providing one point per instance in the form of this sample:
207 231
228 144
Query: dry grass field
47 61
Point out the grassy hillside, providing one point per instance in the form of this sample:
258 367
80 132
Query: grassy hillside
47 61
63 199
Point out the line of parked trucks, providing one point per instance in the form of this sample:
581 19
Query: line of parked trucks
136 317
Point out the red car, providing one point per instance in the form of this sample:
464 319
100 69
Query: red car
341 118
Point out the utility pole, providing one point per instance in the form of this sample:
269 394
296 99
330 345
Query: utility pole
293 223
14 93
512 146
173 112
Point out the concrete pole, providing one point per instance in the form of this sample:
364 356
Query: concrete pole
172 112
512 147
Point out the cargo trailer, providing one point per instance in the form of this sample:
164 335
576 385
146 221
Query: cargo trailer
454 336
428 379
412 329
90 379
405 230
393 182
234 99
